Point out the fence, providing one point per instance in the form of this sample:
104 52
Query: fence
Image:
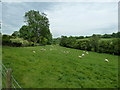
8 81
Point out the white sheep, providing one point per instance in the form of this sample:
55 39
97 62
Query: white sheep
83 54
34 52
42 49
66 51
80 56
106 60
87 53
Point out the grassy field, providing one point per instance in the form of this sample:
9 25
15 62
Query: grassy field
53 68
100 39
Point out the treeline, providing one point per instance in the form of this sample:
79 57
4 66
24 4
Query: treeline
94 43
113 35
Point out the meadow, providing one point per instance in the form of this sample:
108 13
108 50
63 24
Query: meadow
54 68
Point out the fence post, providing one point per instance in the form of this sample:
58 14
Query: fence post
8 78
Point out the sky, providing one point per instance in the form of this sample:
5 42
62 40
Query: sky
65 18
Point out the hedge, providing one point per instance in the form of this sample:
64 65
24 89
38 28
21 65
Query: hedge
104 46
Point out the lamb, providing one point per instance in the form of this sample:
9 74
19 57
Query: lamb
106 60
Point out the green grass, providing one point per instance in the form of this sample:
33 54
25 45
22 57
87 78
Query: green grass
56 69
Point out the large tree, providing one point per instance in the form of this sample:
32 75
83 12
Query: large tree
36 28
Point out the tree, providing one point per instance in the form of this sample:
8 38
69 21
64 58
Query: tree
25 33
16 34
63 41
37 27
94 42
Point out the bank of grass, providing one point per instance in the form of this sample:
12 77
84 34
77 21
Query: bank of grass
56 69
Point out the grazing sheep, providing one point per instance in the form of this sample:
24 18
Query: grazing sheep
80 56
106 60
87 53
83 54
34 52
66 51
42 49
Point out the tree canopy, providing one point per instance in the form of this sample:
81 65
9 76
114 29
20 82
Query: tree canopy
36 28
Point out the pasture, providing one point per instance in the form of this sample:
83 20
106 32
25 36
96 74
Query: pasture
52 66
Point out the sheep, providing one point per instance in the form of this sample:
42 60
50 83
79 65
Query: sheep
42 49
87 53
80 56
83 54
34 52
66 51
106 60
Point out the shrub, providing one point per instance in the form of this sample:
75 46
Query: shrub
19 42
6 40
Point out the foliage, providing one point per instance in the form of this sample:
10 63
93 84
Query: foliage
84 45
20 41
16 34
56 40
37 28
79 37
6 40
109 46
94 42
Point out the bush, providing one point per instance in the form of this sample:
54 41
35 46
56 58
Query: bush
20 42
84 45
6 40
109 46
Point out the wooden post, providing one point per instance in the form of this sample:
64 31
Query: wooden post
8 78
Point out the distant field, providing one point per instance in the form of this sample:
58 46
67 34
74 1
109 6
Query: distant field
53 68
100 39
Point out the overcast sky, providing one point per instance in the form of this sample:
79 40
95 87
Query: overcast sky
66 18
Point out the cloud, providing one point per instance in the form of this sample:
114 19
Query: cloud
13 14
66 18
83 18
60 0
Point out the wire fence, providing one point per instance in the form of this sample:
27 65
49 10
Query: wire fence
8 80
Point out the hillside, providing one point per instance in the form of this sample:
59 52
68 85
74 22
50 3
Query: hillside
53 66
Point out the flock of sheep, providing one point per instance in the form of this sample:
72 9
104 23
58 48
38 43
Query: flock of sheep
80 56
83 54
